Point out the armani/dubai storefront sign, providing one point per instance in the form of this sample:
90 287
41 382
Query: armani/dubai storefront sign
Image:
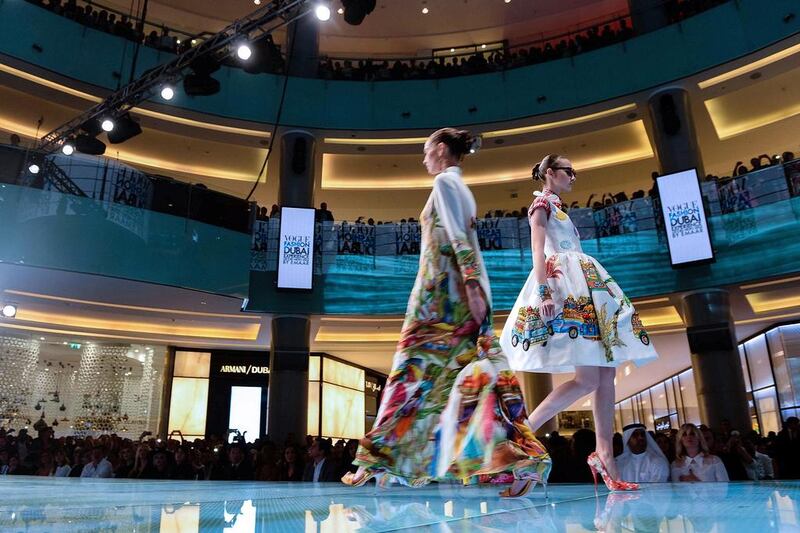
243 369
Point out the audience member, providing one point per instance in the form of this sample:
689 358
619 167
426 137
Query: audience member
98 466
642 461
62 466
321 467
787 449
291 467
693 459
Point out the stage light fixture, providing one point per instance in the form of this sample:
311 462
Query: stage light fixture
243 52
86 144
125 129
200 85
9 310
67 148
107 125
322 12
33 168
92 127
356 10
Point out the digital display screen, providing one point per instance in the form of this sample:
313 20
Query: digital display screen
296 248
684 218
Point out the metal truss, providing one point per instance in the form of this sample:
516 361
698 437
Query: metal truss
273 15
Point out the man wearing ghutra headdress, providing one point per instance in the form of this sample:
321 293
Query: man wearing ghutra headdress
642 461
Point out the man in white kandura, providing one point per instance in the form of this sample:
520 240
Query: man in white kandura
642 461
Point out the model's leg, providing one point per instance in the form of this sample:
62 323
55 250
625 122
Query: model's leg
603 408
586 381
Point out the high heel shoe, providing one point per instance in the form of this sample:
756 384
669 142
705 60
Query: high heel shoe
351 479
509 493
596 466
541 475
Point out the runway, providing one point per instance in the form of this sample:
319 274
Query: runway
33 504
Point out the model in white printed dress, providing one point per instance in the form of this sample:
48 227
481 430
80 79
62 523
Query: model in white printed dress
572 316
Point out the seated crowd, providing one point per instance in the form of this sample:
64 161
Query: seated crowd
689 454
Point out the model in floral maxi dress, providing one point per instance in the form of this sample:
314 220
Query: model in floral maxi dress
452 407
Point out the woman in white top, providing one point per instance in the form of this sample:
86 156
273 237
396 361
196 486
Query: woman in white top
693 461
62 468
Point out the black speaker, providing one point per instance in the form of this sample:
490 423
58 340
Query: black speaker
299 149
670 122
710 337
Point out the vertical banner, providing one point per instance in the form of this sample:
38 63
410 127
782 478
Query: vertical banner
685 218
296 248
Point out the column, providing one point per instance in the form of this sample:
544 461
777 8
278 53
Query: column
717 370
288 379
674 132
291 334
536 387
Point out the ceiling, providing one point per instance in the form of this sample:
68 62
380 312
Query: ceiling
400 27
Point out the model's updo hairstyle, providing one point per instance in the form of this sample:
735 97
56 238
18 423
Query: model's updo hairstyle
540 169
459 142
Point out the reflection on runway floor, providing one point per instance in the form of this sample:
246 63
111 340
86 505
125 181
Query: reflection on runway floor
69 504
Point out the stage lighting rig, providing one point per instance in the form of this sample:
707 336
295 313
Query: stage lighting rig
211 51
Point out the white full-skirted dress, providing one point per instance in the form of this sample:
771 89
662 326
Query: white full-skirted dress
594 322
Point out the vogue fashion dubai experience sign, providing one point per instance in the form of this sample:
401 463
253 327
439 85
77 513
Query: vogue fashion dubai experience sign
296 252
684 218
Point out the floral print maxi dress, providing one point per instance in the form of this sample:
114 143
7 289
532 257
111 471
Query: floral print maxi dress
452 408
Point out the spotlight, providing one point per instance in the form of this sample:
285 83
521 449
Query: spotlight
86 144
200 82
167 93
9 311
322 12
244 52
200 85
340 11
266 56
67 148
356 10
33 168
125 129
424 10
107 125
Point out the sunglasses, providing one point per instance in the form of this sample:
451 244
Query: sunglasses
569 170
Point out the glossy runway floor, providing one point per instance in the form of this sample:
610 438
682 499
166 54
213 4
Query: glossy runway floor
65 505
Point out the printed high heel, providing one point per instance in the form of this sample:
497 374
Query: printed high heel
596 466
541 475
351 480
